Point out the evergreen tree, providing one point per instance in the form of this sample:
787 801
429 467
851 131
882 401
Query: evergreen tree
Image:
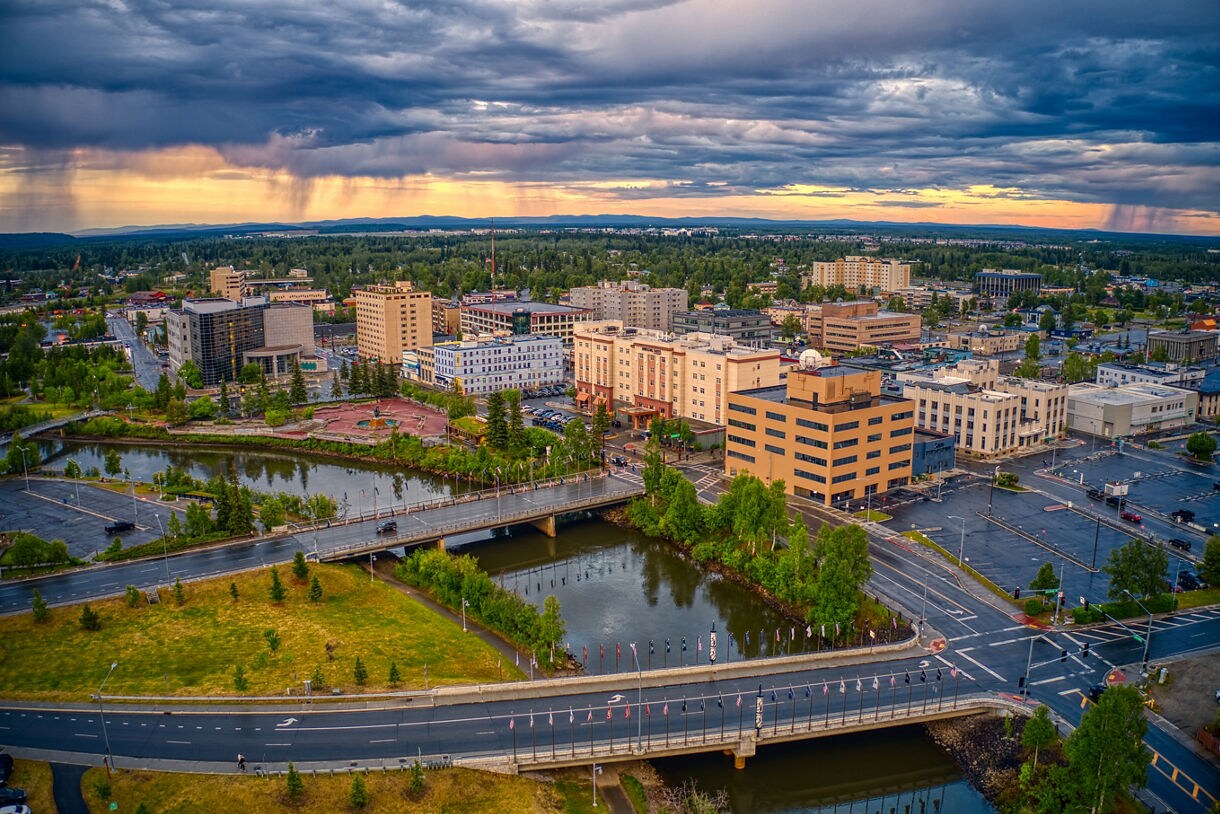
360 673
233 590
113 465
315 589
395 676
277 591
318 680
162 394
179 592
39 605
300 568
297 392
417 778
1045 579
133 596
336 387
89 619
497 428
294 786
515 421
358 795
223 397
240 682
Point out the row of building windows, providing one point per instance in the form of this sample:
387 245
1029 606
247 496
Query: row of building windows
745 442
740 455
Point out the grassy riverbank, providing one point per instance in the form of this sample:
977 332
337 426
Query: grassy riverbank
445 790
195 648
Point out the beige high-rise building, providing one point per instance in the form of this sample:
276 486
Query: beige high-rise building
988 413
854 271
391 319
829 434
657 376
633 303
228 282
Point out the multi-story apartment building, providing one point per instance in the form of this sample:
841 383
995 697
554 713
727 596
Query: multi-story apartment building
488 365
1114 412
228 283
988 343
314 297
853 272
989 414
829 434
631 302
1002 282
221 336
744 326
845 326
1184 347
1116 374
520 318
391 319
657 375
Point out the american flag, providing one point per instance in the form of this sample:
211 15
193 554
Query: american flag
738 699
512 724
665 709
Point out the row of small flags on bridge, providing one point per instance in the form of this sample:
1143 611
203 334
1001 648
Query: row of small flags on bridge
550 718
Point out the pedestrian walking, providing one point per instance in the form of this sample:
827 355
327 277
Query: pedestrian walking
241 762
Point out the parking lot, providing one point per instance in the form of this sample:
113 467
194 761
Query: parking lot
79 514
1027 529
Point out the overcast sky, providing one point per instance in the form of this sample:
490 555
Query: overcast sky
1057 113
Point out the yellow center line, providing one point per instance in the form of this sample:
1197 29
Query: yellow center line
1177 773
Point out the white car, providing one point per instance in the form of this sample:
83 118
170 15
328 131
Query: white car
19 809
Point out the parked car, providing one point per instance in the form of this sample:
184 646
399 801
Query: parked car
119 526
1096 494
1096 691
6 767
15 809
618 460
387 527
1187 581
1130 516
1115 500
10 795
1182 515
1179 543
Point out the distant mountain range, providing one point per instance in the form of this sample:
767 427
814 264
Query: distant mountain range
34 240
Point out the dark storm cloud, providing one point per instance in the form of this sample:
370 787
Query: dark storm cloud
1113 103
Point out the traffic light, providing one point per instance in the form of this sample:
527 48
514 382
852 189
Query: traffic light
1085 652
1016 593
1063 655
1086 607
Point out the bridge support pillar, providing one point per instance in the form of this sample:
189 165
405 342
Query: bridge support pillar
743 750
440 544
546 525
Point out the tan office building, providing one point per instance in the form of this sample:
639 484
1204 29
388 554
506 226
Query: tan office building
633 303
853 272
1184 347
652 375
844 326
446 316
228 282
1131 409
829 434
989 414
988 343
391 319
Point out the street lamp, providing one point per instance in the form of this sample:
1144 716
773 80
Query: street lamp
596 771
464 605
1148 635
102 714
991 492
961 546
25 467
639 719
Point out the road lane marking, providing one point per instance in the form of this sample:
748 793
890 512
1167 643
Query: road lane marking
1048 680
277 744
83 735
181 743
384 740
982 666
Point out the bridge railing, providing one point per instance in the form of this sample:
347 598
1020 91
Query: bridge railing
434 532
726 728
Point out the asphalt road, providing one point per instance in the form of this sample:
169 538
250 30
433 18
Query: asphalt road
111 580
145 364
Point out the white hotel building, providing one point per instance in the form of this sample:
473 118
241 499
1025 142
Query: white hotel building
485 365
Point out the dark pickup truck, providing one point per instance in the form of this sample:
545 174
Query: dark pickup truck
119 526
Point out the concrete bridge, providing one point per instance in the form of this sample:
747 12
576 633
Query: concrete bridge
536 504
721 726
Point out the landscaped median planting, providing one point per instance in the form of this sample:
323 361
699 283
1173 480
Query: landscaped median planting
229 637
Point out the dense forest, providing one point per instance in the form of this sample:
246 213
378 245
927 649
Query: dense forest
550 261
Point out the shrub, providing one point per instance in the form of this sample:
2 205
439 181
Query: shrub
133 596
273 639
358 796
233 589
179 592
294 786
240 682
1033 607
360 673
115 547
318 680
395 676
417 778
39 605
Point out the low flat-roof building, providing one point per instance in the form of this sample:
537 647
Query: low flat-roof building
988 343
1002 282
1114 412
1115 374
520 318
483 366
744 326
847 326
829 434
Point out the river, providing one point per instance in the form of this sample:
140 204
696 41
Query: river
616 586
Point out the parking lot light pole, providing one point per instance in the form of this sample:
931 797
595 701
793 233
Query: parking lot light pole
25 467
102 715
991 492
1148 635
961 546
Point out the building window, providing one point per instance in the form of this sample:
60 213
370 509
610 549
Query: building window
844 461
813 425
874 438
900 464
774 450
900 448
801 473
846 442
745 442
740 455
901 431
780 417
776 433
875 420
850 425
813 442
800 456
741 408
846 476
872 470
733 422
876 453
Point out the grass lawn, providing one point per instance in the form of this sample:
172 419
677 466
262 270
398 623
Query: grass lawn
35 777
1197 599
873 515
446 790
164 649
